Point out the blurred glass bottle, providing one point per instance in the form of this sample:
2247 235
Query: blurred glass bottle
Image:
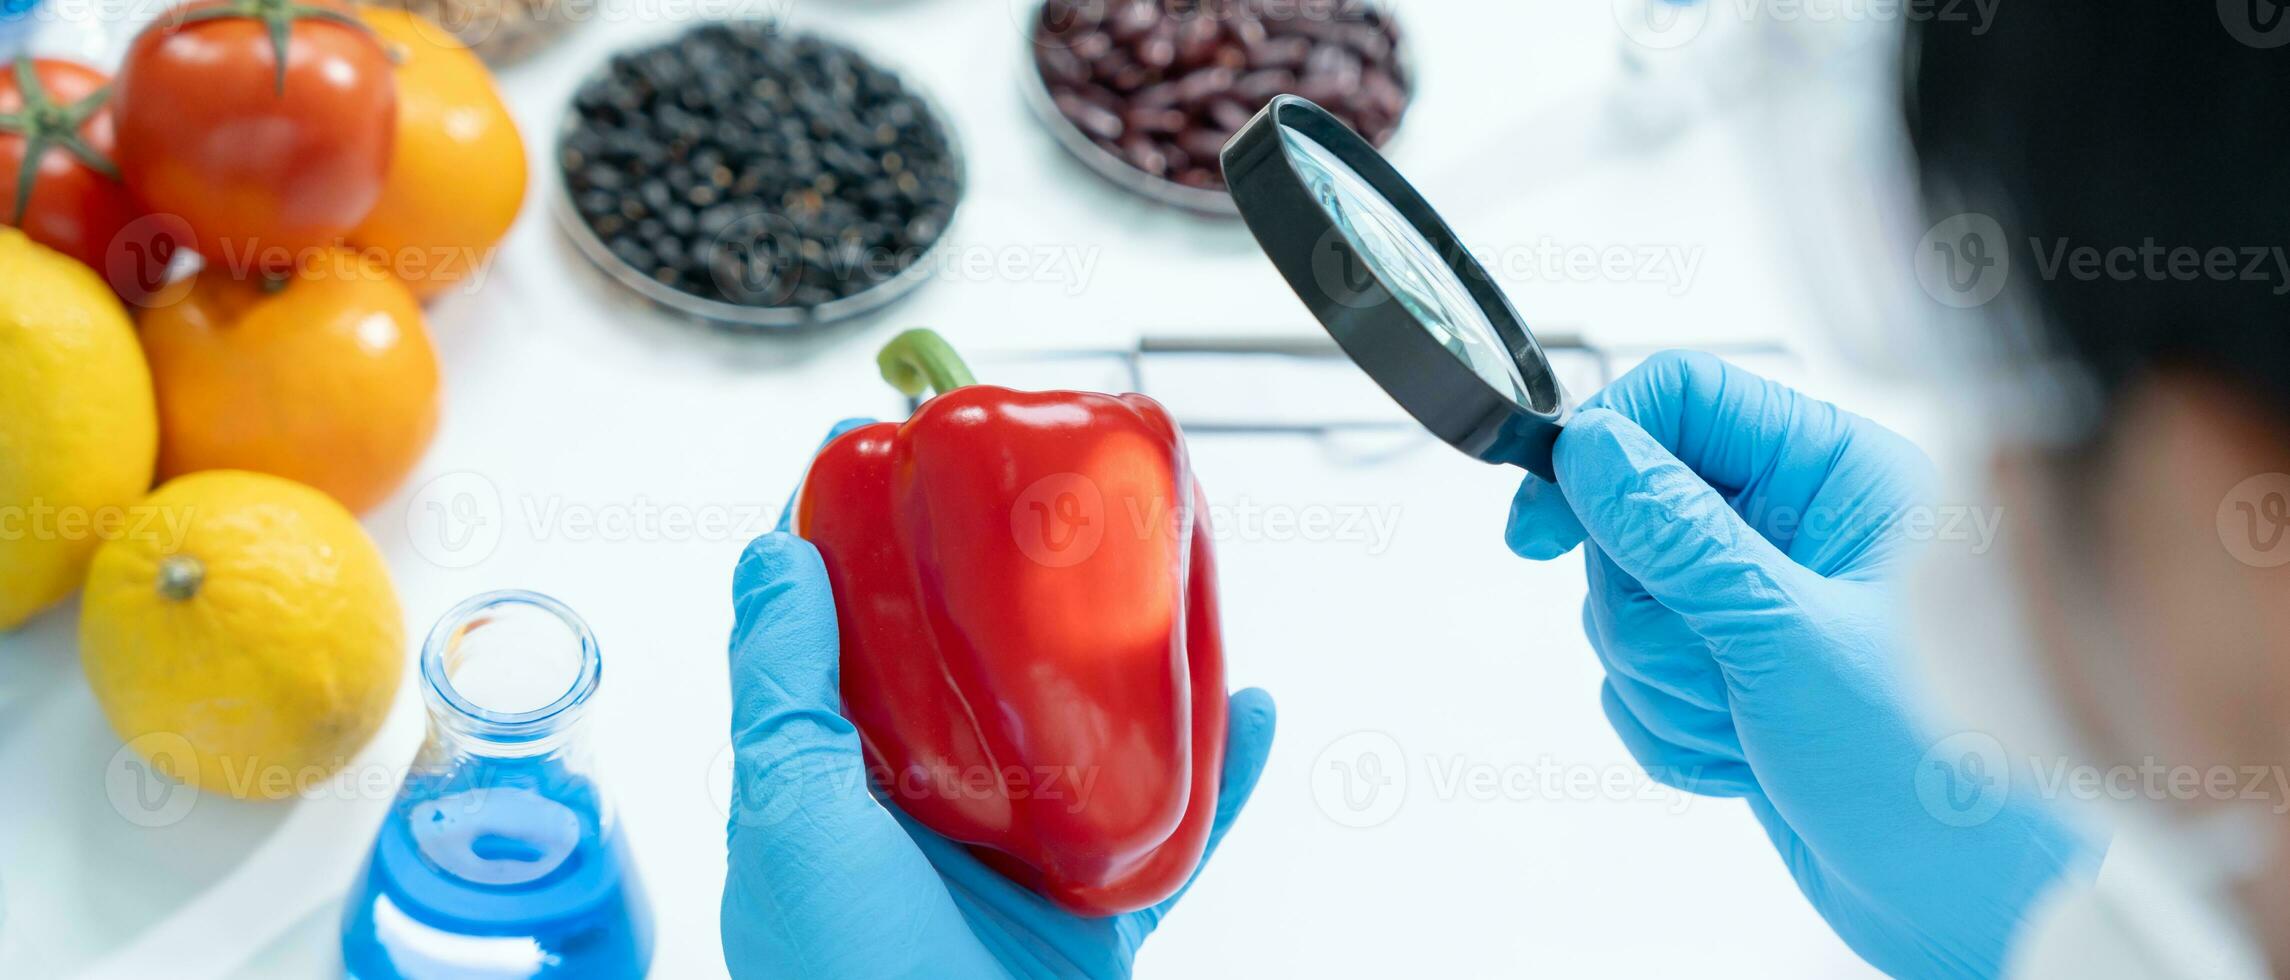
500 856
93 34
17 23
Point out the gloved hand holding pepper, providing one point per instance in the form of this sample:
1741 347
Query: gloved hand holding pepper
825 882
1055 701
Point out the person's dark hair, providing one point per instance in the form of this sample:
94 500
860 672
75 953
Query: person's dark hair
2120 125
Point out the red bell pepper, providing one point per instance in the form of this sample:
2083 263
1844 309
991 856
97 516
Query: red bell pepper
1027 602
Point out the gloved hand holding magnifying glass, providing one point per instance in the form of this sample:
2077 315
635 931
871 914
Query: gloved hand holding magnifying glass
1744 546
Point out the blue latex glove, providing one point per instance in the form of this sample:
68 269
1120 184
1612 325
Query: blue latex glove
1745 545
824 881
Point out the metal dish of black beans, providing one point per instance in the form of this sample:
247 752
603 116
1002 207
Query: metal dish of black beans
1147 92
756 178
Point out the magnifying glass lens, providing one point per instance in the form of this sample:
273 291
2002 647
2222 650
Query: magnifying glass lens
1393 285
1407 263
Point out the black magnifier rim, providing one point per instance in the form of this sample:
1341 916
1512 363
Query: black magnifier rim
1377 331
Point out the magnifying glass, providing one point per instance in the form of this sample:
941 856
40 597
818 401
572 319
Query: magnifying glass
1388 279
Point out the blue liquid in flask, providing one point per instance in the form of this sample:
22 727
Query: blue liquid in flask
500 857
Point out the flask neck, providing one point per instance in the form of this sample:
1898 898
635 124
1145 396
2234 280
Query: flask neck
508 675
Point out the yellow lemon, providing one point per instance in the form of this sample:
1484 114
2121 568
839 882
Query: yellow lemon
78 431
251 618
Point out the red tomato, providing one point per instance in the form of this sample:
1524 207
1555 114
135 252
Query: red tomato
75 206
262 162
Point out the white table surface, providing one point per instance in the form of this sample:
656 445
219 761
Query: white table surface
1521 839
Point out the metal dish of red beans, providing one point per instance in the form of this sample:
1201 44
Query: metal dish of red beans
1147 92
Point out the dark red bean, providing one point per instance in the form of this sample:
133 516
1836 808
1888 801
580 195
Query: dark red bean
1371 43
1334 63
1145 155
1065 22
1200 86
1134 77
1202 144
1095 120
1260 86
1197 41
1384 94
1178 158
1207 180
1159 96
1248 31
1114 66
1230 116
1158 49
1062 66
1163 121
1092 45
1101 97
1282 52
1323 29
1134 19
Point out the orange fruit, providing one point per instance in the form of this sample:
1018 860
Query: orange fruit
329 380
457 171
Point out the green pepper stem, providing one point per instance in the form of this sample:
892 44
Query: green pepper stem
920 360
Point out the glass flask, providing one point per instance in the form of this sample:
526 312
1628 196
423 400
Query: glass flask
16 26
500 856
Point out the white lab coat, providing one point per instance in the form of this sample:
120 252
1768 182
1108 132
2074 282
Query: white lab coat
2135 920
